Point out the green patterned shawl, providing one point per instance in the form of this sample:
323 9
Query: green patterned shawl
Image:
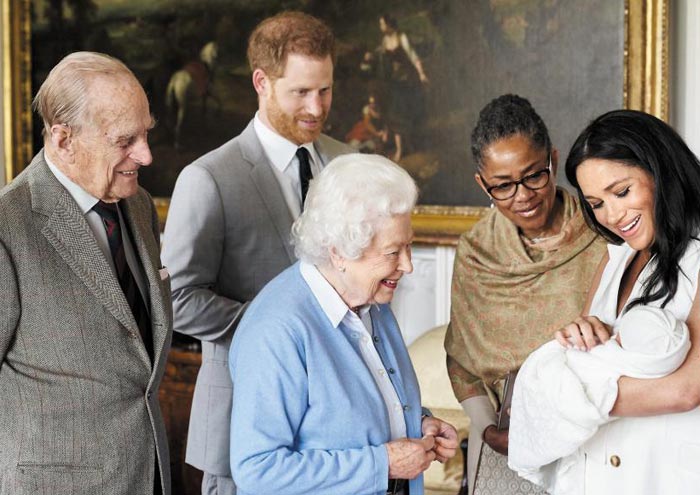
509 296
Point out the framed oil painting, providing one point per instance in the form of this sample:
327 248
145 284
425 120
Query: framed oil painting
410 78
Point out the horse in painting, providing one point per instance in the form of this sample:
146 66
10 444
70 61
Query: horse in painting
194 80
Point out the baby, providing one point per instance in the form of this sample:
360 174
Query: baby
649 330
562 396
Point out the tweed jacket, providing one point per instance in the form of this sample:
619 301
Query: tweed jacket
79 408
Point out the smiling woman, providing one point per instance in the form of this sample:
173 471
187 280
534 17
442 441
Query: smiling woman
515 174
520 273
623 200
335 406
639 182
362 254
373 278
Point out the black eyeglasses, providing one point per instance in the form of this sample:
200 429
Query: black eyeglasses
533 182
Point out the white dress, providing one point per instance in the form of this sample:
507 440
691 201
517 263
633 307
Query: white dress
563 396
646 455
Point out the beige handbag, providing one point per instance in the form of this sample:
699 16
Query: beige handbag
494 477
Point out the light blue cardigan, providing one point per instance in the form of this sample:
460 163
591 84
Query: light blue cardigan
307 416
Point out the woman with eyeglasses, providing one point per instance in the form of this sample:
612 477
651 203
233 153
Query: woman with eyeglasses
521 273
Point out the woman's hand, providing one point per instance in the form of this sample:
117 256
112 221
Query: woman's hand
496 439
584 333
409 457
446 440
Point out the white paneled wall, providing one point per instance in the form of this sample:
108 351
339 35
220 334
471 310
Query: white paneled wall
422 300
685 70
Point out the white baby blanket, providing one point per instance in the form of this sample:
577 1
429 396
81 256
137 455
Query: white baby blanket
562 396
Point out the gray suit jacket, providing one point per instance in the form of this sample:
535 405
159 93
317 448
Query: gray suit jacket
227 235
78 393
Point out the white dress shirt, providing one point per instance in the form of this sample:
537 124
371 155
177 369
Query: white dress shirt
85 202
282 154
337 311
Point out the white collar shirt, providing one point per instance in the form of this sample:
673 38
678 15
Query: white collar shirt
282 155
338 312
86 201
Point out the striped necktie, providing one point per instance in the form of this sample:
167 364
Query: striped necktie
110 218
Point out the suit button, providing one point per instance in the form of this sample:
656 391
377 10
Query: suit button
148 395
615 460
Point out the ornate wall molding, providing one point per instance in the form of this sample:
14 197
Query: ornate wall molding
17 91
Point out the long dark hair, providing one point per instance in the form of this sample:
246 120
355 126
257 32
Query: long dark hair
641 140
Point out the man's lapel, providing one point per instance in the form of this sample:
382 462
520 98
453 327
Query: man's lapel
265 181
324 154
135 211
69 233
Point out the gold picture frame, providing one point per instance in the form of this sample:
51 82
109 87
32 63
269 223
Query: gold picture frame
645 87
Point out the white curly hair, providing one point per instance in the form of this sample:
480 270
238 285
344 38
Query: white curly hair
346 204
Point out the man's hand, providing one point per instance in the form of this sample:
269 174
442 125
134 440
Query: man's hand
409 457
446 440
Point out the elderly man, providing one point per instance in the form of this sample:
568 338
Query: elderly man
85 319
232 210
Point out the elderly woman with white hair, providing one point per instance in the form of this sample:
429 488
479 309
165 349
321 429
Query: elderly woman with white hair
325 399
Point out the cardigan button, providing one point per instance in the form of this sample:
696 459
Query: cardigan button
376 338
615 460
392 370
406 407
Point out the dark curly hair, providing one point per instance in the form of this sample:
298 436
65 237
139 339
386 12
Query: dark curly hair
506 116
641 140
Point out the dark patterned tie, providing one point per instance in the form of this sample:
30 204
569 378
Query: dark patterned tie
110 218
304 172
